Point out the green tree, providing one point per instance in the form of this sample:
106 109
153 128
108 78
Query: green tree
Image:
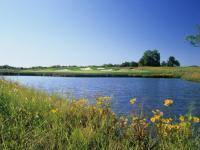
194 39
133 64
150 58
108 65
129 64
164 64
172 62
125 64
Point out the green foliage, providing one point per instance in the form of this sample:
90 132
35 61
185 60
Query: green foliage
7 67
163 64
194 39
109 65
172 62
129 64
150 58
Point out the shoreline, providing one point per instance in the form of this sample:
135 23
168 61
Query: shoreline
185 73
89 75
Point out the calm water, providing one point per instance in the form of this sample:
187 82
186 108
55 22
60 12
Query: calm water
149 92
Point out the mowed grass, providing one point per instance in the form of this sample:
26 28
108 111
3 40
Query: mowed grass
187 73
31 119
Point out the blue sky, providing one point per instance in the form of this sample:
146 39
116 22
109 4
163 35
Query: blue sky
94 32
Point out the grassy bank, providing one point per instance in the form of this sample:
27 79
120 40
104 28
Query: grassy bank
187 73
34 120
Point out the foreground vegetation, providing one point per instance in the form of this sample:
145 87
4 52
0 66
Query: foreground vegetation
34 120
187 73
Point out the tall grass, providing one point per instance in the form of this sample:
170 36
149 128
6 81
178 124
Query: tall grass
192 76
30 119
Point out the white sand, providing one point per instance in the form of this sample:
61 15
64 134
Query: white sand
86 68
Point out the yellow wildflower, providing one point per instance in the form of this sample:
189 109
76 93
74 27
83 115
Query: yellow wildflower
176 127
135 118
153 119
169 126
182 125
157 115
182 118
168 102
132 101
99 102
54 110
105 100
195 119
123 121
167 120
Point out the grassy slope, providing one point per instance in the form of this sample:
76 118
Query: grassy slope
33 120
188 73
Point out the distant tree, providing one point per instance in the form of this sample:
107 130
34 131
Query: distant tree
141 62
7 67
172 62
194 39
164 64
125 64
108 65
56 66
38 67
133 64
129 64
150 58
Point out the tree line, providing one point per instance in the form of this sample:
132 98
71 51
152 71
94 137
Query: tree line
152 57
149 58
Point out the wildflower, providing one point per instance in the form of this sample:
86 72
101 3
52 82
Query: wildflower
123 121
157 115
135 118
169 126
105 101
183 125
177 127
153 119
168 102
132 101
99 102
157 112
190 117
182 118
54 110
195 119
167 120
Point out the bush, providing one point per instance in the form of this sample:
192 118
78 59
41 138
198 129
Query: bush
150 58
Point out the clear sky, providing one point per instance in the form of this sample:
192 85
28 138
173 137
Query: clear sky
94 32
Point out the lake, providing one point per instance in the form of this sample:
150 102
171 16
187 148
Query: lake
150 92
